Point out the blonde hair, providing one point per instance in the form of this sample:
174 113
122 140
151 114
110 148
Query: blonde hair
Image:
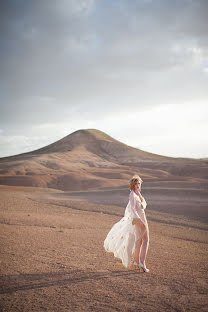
134 181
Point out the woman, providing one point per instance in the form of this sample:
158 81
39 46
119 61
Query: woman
128 239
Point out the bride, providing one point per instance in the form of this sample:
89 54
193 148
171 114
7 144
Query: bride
128 239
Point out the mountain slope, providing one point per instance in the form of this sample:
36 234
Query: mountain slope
89 159
94 141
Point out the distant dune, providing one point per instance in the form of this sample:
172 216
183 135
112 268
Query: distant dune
89 159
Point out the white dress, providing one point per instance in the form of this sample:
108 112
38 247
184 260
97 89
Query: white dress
124 237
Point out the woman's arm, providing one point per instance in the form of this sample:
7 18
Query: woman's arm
133 202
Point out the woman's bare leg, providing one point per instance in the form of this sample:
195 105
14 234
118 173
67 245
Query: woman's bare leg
144 247
137 254
139 232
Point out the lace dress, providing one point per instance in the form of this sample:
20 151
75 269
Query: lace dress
124 237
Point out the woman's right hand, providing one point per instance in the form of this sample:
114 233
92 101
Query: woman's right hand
137 221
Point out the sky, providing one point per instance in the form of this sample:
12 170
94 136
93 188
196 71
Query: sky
137 70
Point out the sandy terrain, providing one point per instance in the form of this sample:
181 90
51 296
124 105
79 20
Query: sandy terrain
52 255
57 205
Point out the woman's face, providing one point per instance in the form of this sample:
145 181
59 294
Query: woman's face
137 186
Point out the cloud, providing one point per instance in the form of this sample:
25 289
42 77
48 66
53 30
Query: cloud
171 130
63 59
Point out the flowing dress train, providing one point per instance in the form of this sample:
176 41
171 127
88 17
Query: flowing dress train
123 238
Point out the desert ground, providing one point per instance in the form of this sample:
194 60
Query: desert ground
58 203
52 255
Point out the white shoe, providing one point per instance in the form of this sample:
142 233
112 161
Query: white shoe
143 267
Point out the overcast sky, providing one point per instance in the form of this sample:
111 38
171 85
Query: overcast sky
137 70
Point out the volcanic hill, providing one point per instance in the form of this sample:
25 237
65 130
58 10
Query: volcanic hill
91 159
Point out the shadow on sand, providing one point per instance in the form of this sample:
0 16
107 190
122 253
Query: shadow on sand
13 283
